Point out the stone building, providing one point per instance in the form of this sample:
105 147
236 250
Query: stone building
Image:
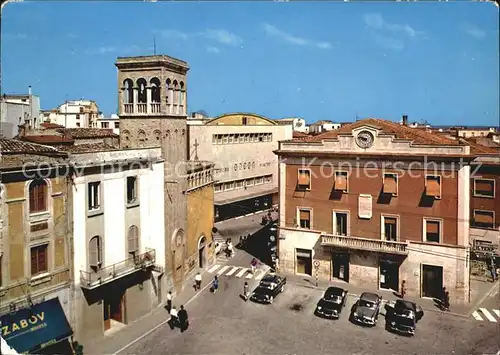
35 247
152 109
241 146
375 203
200 215
116 209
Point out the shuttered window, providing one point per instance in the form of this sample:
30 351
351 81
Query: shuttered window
484 188
95 252
305 218
38 196
390 184
484 219
341 180
433 186
131 189
304 179
39 263
432 231
133 240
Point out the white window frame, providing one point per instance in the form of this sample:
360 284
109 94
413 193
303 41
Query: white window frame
90 195
250 182
424 229
334 221
484 196
479 210
259 180
440 178
225 139
297 217
397 181
398 226
229 186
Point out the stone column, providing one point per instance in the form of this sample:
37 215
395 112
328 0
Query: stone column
171 99
148 99
136 99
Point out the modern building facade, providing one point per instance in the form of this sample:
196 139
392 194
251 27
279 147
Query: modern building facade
375 203
112 123
241 146
34 248
17 110
74 114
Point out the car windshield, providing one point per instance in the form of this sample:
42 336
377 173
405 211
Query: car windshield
367 304
262 291
333 298
406 321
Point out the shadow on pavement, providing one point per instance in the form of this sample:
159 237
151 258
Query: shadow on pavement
260 244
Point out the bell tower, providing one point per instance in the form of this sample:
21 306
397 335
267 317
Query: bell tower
152 106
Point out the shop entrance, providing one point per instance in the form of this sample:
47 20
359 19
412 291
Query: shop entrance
432 281
340 269
113 310
303 262
389 275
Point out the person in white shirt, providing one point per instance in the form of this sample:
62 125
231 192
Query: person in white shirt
230 249
169 301
197 280
173 317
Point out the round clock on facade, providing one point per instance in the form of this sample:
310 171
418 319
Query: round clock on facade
364 139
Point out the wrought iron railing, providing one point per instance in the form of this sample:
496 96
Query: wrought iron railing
364 244
128 108
91 279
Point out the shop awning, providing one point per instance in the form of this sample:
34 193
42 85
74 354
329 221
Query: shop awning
34 328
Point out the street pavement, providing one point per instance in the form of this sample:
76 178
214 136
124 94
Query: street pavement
223 323
489 309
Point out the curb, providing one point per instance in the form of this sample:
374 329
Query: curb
322 288
481 300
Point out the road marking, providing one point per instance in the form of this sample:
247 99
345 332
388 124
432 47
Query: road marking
240 274
232 271
260 275
161 324
488 315
476 316
215 267
497 312
250 275
221 271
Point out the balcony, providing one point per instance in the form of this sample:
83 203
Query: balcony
128 108
376 245
93 279
142 108
155 107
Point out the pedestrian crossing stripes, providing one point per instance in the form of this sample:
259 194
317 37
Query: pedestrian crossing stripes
238 271
484 314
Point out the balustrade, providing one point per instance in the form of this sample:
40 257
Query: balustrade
128 108
364 244
155 107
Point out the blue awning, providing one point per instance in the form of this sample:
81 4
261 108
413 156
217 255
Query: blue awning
30 329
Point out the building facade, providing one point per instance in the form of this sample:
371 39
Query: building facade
375 203
298 124
17 110
118 237
200 216
153 113
323 126
112 123
35 247
74 114
241 146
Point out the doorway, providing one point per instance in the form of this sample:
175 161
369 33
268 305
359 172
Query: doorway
389 275
113 310
202 252
303 262
432 281
340 267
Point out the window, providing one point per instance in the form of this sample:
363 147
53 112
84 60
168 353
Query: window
247 138
77 117
131 189
78 124
225 138
432 231
340 220
390 184
133 240
304 179
81 109
244 121
484 188
305 218
229 185
433 186
259 181
341 181
390 231
38 196
94 195
218 188
239 184
117 124
251 138
39 263
261 137
95 253
105 124
250 182
268 179
231 138
484 219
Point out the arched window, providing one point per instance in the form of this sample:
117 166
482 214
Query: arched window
157 135
133 240
128 91
141 136
95 253
155 90
38 196
168 85
181 93
141 95
175 99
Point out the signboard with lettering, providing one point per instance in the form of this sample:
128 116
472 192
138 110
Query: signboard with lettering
365 206
36 327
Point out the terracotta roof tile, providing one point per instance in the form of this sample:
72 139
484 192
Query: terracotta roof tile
479 149
87 148
15 146
50 125
299 135
82 133
388 127
50 139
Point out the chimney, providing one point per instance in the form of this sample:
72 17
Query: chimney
29 90
405 120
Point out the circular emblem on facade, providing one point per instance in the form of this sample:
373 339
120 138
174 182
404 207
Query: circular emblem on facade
316 263
364 139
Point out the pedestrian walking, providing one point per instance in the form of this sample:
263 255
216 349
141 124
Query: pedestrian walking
215 284
446 304
403 289
230 249
277 265
245 291
253 265
174 320
169 301
197 282
493 270
183 319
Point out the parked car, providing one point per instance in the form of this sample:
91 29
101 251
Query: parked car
332 302
367 309
402 316
269 287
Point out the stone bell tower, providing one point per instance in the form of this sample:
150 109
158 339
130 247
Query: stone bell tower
152 106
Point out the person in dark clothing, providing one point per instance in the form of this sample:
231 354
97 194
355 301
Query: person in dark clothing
446 303
183 319
215 285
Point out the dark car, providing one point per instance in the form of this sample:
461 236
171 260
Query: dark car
402 316
269 287
332 302
367 309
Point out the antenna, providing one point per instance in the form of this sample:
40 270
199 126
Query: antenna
154 45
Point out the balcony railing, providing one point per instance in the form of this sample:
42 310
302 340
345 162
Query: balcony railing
155 107
376 245
128 108
142 108
93 279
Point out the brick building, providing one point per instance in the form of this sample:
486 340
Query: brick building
375 203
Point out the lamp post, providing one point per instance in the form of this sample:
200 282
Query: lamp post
316 270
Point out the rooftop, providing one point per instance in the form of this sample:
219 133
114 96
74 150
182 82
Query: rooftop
150 59
15 146
197 165
87 148
50 125
82 133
